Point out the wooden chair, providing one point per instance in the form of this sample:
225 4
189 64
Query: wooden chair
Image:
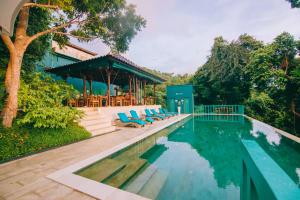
118 100
93 101
81 102
73 103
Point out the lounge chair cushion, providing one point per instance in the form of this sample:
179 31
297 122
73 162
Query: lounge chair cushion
123 117
156 113
134 115
149 114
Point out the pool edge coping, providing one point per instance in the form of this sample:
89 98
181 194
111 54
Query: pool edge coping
96 189
276 130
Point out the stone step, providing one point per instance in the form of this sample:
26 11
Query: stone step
94 121
126 173
94 112
98 126
92 117
140 181
103 131
87 109
102 170
152 188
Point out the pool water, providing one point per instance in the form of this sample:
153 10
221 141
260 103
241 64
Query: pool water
198 158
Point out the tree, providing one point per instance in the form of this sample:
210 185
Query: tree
273 73
113 21
286 48
39 20
222 78
294 3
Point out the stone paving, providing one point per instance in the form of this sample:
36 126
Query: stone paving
25 178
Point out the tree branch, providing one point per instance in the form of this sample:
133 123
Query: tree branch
22 23
40 5
75 36
33 37
9 44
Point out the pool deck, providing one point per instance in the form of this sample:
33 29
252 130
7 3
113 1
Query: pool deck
26 178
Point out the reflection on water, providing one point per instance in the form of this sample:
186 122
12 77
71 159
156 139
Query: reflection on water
196 159
259 128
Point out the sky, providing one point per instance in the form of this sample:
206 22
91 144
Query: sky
179 33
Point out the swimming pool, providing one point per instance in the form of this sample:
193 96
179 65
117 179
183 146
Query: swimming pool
197 158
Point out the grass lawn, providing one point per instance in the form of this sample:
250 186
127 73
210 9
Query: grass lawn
19 141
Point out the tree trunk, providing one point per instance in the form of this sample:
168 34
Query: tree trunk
12 77
8 76
9 111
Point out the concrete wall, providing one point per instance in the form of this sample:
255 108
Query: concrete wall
112 112
72 52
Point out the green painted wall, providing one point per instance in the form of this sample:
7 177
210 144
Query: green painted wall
52 59
180 95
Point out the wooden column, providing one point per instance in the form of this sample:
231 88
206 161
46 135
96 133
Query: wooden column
144 91
108 87
154 93
130 90
84 86
136 91
91 86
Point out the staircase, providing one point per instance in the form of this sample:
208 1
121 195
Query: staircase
95 122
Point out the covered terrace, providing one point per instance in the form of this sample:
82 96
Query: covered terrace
126 82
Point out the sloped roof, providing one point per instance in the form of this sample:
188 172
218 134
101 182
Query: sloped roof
95 69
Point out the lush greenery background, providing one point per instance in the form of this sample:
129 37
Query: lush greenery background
263 77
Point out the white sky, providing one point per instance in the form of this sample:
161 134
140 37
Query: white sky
180 33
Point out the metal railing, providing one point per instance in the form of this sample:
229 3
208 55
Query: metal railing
219 109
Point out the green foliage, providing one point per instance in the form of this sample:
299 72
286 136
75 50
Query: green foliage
21 140
285 46
222 79
294 3
264 72
260 105
112 21
266 78
41 101
2 88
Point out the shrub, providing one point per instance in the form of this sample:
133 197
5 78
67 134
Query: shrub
21 140
41 101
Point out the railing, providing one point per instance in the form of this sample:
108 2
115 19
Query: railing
219 109
220 118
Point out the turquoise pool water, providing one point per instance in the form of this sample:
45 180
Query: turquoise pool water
198 158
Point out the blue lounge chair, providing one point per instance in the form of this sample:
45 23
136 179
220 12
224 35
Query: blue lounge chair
156 113
164 111
134 115
157 117
125 121
161 111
